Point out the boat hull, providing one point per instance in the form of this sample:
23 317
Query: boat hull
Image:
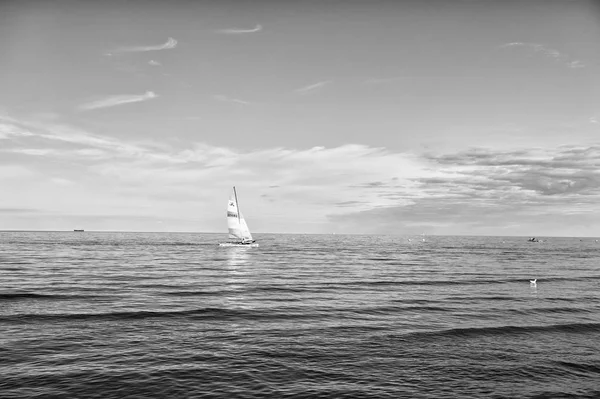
235 244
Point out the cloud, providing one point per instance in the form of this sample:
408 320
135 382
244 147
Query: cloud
482 191
118 100
9 128
223 98
349 188
575 64
236 31
57 136
312 87
161 174
562 171
170 44
34 151
349 203
548 52
594 120
154 63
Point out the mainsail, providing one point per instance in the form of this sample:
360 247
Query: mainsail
238 229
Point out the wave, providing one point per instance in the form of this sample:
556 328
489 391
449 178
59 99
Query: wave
580 367
358 284
573 328
524 280
221 314
16 296
209 313
554 310
582 278
456 298
399 309
13 263
193 293
289 288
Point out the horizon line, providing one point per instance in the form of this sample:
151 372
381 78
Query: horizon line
315 234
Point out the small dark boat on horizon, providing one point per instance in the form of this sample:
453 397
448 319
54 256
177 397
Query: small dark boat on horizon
79 230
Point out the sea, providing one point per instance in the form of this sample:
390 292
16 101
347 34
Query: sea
173 315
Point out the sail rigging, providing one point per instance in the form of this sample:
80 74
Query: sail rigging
237 226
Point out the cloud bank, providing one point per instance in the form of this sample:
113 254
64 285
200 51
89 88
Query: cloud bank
532 191
113 101
344 189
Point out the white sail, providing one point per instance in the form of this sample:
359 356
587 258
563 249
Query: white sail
238 229
245 229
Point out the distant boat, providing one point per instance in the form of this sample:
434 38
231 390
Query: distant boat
239 233
80 230
533 239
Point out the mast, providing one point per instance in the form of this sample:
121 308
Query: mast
237 203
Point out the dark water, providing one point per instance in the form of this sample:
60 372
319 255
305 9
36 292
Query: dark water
115 315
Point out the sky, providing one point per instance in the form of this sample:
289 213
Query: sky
471 117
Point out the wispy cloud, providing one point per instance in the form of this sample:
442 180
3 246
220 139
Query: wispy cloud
170 44
154 63
237 31
548 52
34 151
118 100
10 128
575 64
594 120
91 146
312 87
223 98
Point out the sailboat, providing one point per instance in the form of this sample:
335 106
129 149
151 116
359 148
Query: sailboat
239 233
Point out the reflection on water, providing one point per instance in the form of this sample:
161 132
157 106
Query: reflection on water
238 276
237 256
533 291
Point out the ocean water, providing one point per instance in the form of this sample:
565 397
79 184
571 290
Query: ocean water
140 315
